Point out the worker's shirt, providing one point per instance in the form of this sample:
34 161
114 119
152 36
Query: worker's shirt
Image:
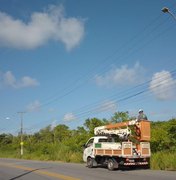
142 116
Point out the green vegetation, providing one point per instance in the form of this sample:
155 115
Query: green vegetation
63 144
163 145
164 160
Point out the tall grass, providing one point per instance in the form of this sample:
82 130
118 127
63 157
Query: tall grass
59 152
163 161
54 152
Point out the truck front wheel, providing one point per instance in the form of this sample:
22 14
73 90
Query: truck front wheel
89 162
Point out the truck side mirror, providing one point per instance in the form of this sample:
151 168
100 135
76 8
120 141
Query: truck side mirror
84 146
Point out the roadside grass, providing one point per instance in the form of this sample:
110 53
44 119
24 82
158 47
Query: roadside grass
9 154
54 152
163 161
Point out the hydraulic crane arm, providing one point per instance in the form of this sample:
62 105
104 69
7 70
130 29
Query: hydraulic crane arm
142 129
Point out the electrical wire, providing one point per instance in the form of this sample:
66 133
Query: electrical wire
70 90
106 60
96 110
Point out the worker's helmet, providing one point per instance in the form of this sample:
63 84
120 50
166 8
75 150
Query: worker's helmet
140 110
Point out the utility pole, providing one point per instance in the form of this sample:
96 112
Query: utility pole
21 133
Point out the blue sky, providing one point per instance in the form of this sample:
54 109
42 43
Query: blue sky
64 61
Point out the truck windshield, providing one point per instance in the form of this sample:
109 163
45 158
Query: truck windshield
90 142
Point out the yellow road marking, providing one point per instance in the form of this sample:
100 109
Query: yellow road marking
47 173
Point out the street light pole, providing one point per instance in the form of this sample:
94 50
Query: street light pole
166 10
21 133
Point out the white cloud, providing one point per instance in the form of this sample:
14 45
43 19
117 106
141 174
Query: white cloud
107 106
54 124
34 106
10 80
163 85
42 27
69 117
121 76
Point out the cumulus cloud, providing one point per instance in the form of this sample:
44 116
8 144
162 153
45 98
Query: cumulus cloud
42 27
121 76
163 85
69 117
34 106
107 106
53 124
10 80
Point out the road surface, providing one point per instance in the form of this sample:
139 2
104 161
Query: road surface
12 169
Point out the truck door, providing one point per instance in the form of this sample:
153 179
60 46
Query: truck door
88 151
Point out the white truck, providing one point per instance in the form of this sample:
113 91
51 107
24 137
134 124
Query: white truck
131 149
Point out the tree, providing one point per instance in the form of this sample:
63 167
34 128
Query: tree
120 117
90 124
6 139
163 135
61 132
159 139
172 129
46 134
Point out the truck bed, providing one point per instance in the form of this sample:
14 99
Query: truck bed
120 149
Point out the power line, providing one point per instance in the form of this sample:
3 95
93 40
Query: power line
70 90
96 110
123 98
122 93
80 85
125 95
105 60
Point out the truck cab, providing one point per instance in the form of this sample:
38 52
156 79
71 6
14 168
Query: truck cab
90 144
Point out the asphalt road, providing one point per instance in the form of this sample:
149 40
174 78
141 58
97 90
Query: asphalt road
12 169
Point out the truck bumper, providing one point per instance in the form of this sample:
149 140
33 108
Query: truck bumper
134 163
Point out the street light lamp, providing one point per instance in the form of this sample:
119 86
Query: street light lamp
166 10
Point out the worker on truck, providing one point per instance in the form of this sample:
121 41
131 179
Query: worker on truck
141 116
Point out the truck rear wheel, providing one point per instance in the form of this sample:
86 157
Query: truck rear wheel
111 165
89 162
